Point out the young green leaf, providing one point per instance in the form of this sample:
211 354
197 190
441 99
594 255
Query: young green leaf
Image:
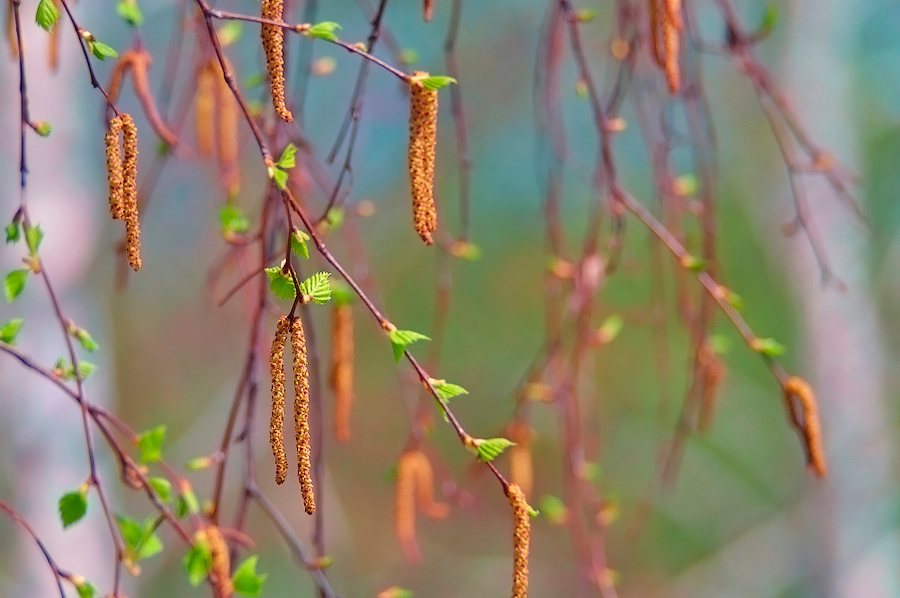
288 157
610 329
131 12
85 369
395 592
335 218
230 32
141 540
491 448
162 487
12 231
47 14
10 330
694 264
84 338
436 82
280 177
555 509
446 390
317 287
33 237
72 507
281 283
188 502
101 50
197 562
14 284
246 580
768 347
298 243
232 221
400 339
43 128
150 444
325 30
84 588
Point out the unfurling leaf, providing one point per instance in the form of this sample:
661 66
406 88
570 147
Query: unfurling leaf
246 580
47 14
325 30
14 284
298 243
317 287
436 82
150 443
400 339
10 330
491 448
446 390
281 283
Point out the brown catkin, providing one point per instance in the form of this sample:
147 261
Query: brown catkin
114 168
140 68
656 21
521 467
205 108
129 193
121 68
422 142
227 123
11 31
342 368
428 9
424 477
671 42
301 416
220 566
273 44
53 44
521 540
405 507
798 388
276 423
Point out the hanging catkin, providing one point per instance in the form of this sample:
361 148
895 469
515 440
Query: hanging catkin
220 564
342 368
129 193
140 68
227 121
671 41
428 9
114 168
276 423
798 388
205 108
422 142
301 416
273 44
521 540
521 467
53 44
415 488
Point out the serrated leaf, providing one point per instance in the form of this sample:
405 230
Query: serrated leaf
10 330
47 14
246 580
768 347
298 243
491 448
197 562
14 284
141 540
131 12
150 444
12 232
400 339
446 390
318 287
325 30
288 157
280 177
33 237
102 51
436 82
232 221
72 507
281 284
162 487
85 369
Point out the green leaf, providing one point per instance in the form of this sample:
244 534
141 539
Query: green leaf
280 177
281 283
491 448
162 487
318 287
85 589
694 264
101 50
150 443
33 237
298 243
718 344
12 231
85 369
189 499
246 580
768 347
232 221
335 218
610 328
400 339
325 30
396 592
131 12
342 294
72 507
436 82
47 14
198 464
446 390
10 330
197 562
43 128
770 18
230 32
85 339
288 157
141 540
14 284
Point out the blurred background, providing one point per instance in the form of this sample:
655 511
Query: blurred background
742 519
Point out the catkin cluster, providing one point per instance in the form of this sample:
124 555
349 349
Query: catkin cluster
276 423
415 487
665 30
122 176
220 566
798 389
273 45
137 63
216 122
521 540
342 368
422 143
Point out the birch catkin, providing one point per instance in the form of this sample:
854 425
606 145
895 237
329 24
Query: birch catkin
405 508
301 416
140 68
227 121
521 467
129 193
220 566
424 478
671 28
798 388
422 142
205 109
273 44
342 369
521 540
428 9
276 423
114 168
